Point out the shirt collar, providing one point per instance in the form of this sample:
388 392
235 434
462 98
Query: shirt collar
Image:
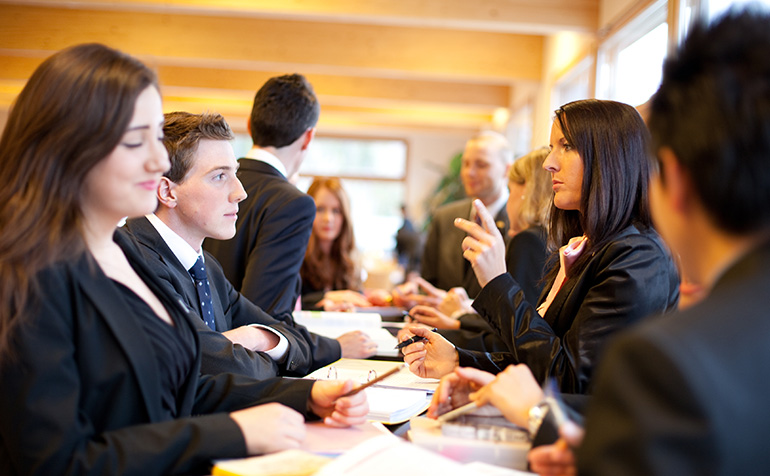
495 207
264 156
181 249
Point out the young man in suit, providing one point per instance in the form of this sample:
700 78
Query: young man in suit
687 395
273 228
198 198
484 173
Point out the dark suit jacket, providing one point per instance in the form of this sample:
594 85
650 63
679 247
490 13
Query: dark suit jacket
82 394
262 261
688 395
629 278
306 353
443 264
525 261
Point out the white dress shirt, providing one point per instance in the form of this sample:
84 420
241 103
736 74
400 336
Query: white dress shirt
187 256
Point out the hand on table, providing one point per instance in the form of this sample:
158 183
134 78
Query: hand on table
343 300
270 427
408 295
432 318
357 345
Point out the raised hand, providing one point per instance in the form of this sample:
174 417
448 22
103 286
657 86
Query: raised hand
484 246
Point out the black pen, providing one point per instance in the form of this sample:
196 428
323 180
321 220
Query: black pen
412 340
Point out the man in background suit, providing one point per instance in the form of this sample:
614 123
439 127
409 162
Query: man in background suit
198 198
687 395
272 231
484 173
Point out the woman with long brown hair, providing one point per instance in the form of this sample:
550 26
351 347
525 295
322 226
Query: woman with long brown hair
100 368
331 276
609 267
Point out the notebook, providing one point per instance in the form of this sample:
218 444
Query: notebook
393 400
334 324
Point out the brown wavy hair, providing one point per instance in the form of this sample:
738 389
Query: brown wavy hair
70 116
336 270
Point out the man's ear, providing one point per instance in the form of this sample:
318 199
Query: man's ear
167 193
675 180
307 137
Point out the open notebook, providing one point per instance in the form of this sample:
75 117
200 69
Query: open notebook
334 324
393 400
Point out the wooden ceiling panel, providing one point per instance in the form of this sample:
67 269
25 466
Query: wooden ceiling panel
396 63
405 51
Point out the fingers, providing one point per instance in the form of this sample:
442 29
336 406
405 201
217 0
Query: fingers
427 287
476 376
472 229
572 433
349 411
486 218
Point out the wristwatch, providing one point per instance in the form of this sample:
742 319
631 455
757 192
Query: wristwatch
536 416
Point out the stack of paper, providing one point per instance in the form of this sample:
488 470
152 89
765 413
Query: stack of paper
334 324
395 405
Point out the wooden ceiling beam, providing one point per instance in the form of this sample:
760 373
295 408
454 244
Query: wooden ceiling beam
369 50
508 16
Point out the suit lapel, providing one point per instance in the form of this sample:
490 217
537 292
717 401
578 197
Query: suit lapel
148 236
126 330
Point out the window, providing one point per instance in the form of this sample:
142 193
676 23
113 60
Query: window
574 85
373 173
713 8
630 61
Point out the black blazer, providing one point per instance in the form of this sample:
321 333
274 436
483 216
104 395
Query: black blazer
443 264
262 261
629 278
306 353
82 394
688 395
525 258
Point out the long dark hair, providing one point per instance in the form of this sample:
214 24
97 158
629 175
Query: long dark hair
71 114
336 270
612 140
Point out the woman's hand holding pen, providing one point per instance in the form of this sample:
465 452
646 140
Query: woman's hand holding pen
434 357
455 389
327 402
483 247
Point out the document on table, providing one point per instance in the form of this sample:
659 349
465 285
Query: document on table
393 400
334 324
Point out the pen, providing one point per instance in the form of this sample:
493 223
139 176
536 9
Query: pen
451 415
412 340
372 382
